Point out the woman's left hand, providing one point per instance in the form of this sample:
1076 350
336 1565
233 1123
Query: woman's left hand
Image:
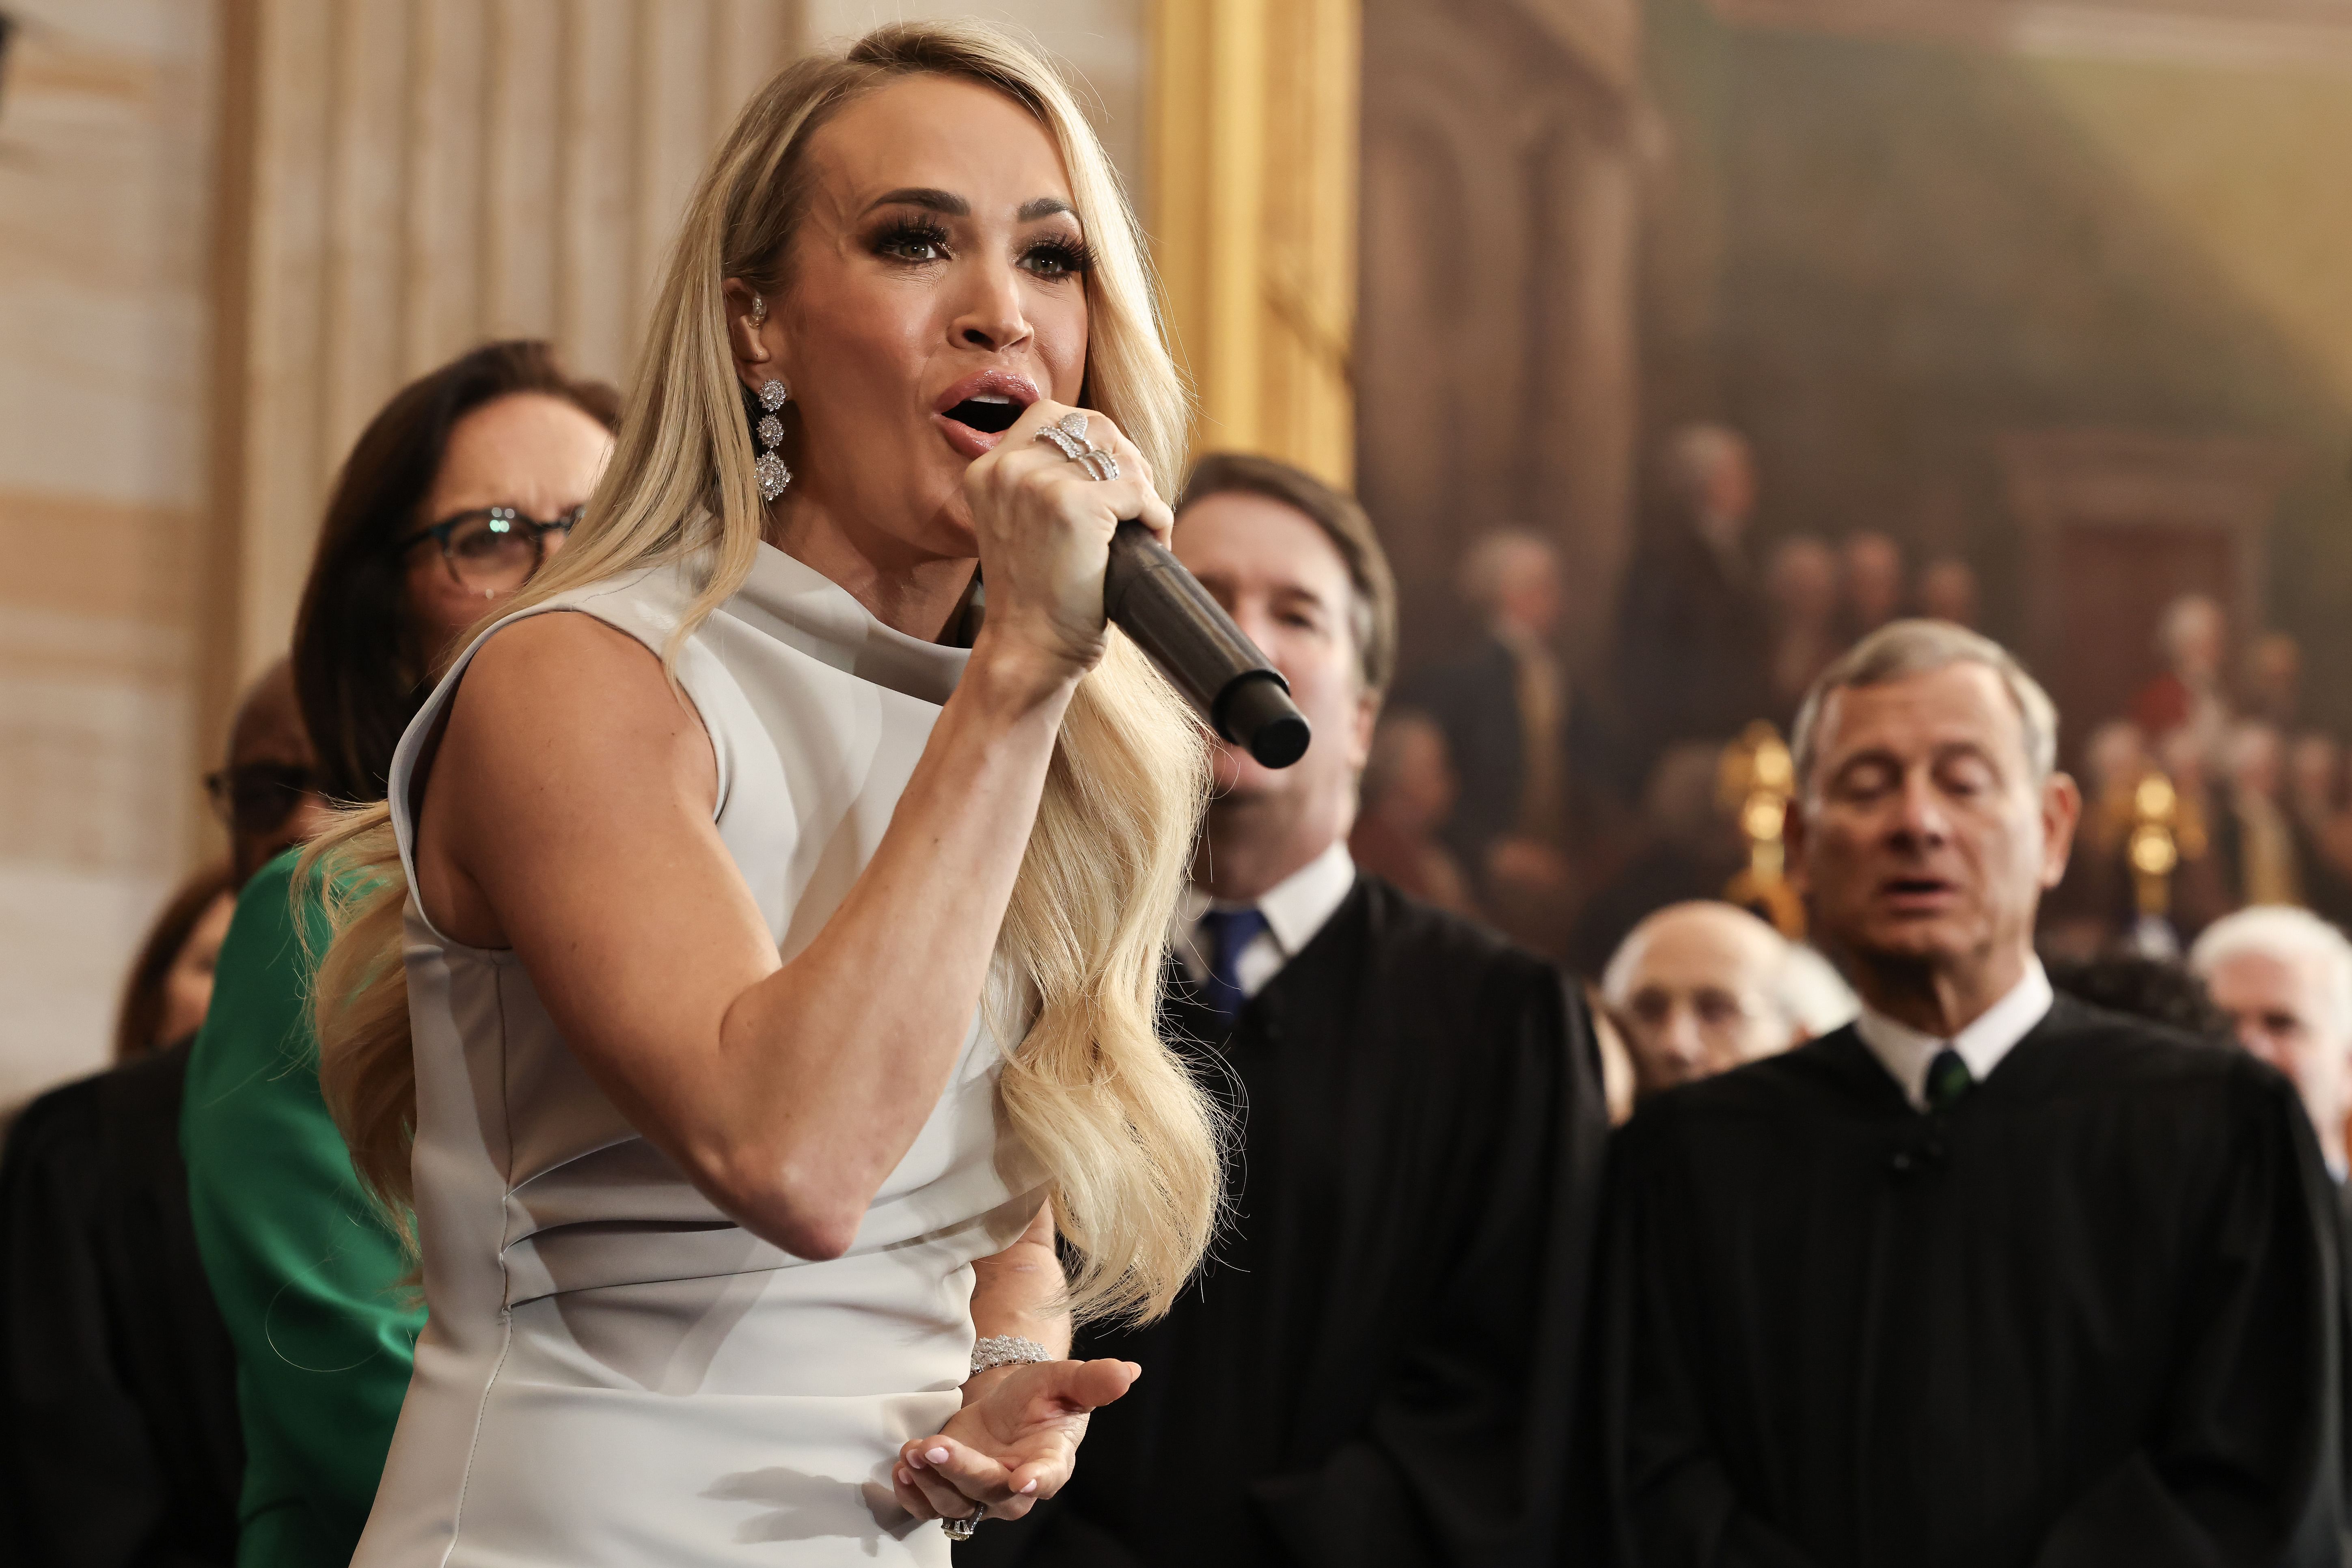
1013 1443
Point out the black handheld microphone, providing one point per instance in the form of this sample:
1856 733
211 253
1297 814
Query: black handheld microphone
1148 595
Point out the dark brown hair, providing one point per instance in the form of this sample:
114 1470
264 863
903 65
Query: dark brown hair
1343 521
142 1013
355 674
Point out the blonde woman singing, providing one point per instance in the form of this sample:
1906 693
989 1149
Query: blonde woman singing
751 983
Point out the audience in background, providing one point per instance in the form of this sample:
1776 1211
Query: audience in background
2323 825
1503 705
171 980
2273 688
1801 585
1848 1283
2255 835
1871 580
452 496
1948 592
1407 792
2156 989
1693 660
1375 1366
267 794
2283 976
119 1440
2191 640
1702 987
1686 845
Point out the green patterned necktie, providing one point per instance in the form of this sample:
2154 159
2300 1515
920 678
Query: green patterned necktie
1948 1077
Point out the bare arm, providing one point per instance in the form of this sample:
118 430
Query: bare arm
569 817
1017 1292
1015 1441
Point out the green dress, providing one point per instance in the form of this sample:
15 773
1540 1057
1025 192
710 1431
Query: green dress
307 1272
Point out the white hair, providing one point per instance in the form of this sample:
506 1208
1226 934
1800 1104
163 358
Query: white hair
2283 932
1903 649
1798 981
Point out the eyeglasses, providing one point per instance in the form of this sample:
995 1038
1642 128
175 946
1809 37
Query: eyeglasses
258 798
493 549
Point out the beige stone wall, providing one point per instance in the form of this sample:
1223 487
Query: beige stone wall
106 116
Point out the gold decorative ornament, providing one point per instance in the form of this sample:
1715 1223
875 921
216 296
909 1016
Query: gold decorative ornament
1755 781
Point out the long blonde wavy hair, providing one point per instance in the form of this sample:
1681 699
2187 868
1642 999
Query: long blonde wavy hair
1129 1142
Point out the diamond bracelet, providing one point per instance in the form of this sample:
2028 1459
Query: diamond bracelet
1007 1350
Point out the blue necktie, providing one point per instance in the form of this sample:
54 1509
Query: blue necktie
1226 932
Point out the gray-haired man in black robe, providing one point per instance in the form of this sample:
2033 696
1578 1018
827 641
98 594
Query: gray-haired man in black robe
1376 1366
1989 1277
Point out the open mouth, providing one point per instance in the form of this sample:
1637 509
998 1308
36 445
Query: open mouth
991 411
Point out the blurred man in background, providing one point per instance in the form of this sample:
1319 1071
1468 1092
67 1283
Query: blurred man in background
1409 789
2255 836
1693 654
2192 639
1948 592
1872 581
1702 987
2284 977
2273 688
1504 706
1801 584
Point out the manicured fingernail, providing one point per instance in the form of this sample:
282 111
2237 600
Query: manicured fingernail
937 1456
1031 1486
906 1477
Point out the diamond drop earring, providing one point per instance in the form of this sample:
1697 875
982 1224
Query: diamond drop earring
774 476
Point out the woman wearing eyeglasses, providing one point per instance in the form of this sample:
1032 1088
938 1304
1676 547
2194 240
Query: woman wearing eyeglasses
457 492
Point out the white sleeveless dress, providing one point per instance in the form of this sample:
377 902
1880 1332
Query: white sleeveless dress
613 1372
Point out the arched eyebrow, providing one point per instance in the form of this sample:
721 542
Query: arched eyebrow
947 204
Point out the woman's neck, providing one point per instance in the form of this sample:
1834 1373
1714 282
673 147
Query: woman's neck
908 590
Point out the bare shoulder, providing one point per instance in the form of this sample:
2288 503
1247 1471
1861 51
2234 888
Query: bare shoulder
576 716
565 746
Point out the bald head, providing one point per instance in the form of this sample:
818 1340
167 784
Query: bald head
269 789
1698 989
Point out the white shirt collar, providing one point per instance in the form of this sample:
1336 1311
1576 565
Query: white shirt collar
1296 908
1904 1052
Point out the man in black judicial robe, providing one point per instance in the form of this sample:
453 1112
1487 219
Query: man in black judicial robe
1376 1367
1988 1278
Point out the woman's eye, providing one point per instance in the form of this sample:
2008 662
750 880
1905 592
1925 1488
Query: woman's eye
913 243
1058 259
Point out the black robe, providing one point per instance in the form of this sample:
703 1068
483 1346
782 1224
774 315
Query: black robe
2085 1319
119 1440
1377 1366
